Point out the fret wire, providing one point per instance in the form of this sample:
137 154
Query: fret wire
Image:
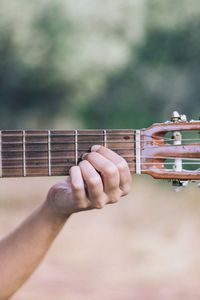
76 146
138 152
49 152
24 153
105 138
1 173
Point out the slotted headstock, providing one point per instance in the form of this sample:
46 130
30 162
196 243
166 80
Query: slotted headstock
171 150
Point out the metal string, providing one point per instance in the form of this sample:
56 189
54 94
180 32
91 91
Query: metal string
65 165
91 141
125 156
100 133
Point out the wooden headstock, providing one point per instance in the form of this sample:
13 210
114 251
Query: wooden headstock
172 157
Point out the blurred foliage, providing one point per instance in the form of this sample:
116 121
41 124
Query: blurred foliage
164 76
31 85
121 64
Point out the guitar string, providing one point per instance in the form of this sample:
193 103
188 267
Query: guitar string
101 134
70 165
125 156
61 164
90 141
86 149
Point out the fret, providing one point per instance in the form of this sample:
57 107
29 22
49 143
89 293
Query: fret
1 173
12 149
24 153
88 138
105 138
120 145
62 155
49 152
138 152
37 153
76 146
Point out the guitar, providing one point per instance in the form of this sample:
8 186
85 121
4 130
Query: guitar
169 150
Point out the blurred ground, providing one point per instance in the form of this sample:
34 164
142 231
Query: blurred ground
146 247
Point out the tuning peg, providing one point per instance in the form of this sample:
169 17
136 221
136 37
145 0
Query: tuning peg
178 184
177 117
183 118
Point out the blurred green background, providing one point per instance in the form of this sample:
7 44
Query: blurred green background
112 64
116 64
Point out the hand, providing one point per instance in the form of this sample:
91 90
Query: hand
102 177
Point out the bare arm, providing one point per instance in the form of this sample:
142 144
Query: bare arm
101 178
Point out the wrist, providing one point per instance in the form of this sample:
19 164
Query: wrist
59 201
52 214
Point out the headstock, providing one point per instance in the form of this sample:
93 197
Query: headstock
171 150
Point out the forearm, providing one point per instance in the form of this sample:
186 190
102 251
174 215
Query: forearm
23 249
101 178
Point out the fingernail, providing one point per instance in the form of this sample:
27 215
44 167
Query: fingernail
84 155
95 148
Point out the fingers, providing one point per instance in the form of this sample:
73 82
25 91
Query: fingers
121 164
94 184
109 174
95 197
102 177
78 188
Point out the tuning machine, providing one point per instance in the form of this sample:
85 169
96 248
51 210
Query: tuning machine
176 117
178 184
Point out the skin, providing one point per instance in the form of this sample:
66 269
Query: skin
101 178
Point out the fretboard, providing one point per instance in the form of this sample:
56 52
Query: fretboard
54 152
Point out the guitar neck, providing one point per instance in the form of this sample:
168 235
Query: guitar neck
53 152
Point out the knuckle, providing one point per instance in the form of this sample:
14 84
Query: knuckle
111 170
99 202
94 181
73 168
90 155
122 165
83 163
100 148
114 197
126 189
77 186
113 200
81 205
99 205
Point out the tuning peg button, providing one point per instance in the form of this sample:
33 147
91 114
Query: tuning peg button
178 184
